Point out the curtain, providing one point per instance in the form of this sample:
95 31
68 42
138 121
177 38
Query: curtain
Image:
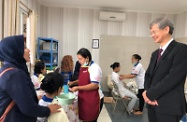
9 13
31 37
10 18
1 18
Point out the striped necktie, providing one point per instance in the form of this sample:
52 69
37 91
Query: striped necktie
159 54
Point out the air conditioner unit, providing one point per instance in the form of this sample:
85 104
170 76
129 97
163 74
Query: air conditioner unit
112 16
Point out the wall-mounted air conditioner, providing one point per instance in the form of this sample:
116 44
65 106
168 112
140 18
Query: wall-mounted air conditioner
112 16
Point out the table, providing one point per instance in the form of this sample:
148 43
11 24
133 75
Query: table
72 110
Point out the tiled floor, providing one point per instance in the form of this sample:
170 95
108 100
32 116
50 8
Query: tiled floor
104 116
120 114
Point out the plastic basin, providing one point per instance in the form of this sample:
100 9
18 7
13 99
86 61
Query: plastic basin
66 99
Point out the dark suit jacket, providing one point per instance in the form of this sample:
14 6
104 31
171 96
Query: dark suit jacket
164 80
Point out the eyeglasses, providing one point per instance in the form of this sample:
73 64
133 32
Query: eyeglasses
154 32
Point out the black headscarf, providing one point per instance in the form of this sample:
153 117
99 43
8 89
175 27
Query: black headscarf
12 50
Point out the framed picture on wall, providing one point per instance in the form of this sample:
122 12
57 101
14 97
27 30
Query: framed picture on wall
95 43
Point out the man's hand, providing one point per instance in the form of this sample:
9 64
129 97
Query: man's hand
148 101
153 103
145 97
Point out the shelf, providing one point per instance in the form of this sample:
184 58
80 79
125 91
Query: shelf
49 54
48 51
49 64
48 39
50 68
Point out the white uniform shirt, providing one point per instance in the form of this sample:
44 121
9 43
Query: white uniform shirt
44 102
35 81
95 76
139 71
119 83
56 117
165 46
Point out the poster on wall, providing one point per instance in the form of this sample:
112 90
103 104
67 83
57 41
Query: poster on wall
95 43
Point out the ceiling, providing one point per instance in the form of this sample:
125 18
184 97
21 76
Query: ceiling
154 6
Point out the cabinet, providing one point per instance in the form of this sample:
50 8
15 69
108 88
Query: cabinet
47 50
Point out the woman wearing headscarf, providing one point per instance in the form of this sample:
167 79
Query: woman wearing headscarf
16 85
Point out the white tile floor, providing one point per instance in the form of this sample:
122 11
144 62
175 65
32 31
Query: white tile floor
104 116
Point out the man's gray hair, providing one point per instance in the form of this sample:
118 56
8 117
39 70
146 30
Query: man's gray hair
162 23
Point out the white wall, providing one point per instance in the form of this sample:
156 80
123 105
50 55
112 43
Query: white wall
75 27
120 49
181 25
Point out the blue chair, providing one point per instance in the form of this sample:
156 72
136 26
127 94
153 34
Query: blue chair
67 77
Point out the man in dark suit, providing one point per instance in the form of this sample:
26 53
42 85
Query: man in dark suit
166 75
